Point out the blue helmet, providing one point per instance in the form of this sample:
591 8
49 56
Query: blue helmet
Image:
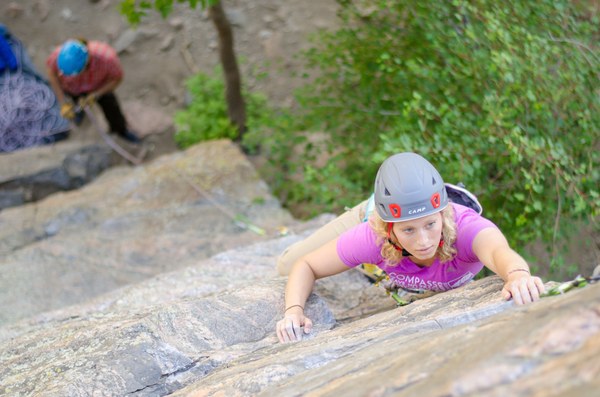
72 57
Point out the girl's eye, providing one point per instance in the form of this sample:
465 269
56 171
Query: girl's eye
430 225
408 231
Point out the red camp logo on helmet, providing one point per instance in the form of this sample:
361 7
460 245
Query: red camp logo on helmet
395 210
435 200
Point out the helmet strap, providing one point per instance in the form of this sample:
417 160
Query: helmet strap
390 225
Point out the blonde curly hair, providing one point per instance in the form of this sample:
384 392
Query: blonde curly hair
445 253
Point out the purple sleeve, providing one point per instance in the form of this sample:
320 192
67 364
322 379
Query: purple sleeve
359 245
468 223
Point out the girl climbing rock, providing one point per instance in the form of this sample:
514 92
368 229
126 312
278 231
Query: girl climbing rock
421 239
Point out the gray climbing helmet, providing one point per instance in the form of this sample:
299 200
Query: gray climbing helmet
408 187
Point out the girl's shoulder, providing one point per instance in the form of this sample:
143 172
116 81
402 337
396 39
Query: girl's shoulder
359 245
468 224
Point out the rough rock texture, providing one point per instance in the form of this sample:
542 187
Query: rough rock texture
462 343
65 166
154 337
130 224
208 330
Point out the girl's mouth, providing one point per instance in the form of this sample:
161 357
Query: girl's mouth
425 250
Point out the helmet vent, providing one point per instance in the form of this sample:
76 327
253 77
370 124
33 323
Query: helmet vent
433 181
387 192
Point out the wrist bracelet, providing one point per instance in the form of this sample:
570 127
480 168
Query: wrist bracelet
300 306
517 270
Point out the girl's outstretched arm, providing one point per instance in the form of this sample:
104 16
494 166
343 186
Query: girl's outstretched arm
493 251
322 262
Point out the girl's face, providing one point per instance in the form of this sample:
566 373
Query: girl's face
421 237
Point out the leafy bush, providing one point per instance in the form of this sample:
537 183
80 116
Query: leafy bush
206 118
502 96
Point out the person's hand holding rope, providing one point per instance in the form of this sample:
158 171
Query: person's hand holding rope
67 111
87 100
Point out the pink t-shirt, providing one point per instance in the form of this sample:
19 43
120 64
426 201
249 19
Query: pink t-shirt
359 245
103 66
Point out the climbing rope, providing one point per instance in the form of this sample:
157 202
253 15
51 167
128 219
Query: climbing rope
381 279
578 282
29 114
26 112
238 219
135 160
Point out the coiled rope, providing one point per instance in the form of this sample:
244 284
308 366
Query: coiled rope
29 112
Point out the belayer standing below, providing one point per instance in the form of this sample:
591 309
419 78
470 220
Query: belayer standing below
415 234
88 72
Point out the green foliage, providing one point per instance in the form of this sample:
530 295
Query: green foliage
135 10
206 116
502 96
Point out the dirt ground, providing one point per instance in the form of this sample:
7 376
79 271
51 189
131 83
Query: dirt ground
160 54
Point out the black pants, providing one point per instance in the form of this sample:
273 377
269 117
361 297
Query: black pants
112 111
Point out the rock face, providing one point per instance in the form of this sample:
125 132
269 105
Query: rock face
141 283
151 338
205 331
462 343
130 224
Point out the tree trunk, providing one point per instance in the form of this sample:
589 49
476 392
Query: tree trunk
236 108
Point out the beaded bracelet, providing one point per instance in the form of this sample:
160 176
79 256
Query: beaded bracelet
518 270
300 306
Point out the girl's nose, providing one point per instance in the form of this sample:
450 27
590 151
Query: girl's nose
423 237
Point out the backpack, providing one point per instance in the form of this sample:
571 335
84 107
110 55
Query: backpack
460 195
